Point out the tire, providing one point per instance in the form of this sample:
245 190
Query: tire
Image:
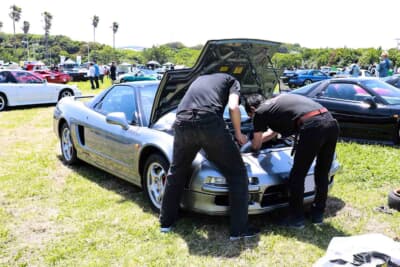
64 93
397 135
306 82
394 199
68 150
154 177
3 102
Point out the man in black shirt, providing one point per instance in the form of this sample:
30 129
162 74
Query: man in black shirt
316 136
199 125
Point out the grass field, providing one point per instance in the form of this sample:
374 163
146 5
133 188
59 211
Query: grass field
55 215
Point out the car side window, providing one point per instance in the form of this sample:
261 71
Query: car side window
26 77
3 77
345 91
119 99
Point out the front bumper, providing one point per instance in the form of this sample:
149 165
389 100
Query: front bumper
270 194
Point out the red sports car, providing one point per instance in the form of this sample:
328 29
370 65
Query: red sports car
53 76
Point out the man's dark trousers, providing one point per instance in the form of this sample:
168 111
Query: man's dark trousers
317 138
207 131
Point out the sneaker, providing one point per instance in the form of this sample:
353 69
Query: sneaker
249 233
292 223
165 229
317 218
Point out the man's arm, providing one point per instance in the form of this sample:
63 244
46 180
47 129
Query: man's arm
260 137
234 113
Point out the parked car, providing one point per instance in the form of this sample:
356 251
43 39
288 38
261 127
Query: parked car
304 77
346 74
366 108
287 74
138 75
53 76
127 130
20 87
76 72
393 80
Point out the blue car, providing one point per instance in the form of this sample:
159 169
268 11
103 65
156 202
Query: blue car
304 77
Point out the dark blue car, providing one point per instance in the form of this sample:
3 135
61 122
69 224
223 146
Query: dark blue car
304 77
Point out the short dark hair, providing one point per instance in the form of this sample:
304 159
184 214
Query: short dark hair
253 100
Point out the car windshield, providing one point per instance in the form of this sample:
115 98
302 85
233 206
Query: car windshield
306 89
388 92
147 93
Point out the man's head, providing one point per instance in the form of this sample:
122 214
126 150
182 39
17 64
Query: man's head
252 102
384 54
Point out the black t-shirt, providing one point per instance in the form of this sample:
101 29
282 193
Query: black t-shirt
210 93
280 113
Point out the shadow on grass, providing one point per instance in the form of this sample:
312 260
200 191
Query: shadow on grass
209 235
127 190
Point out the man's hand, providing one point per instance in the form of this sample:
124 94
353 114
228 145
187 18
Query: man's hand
241 138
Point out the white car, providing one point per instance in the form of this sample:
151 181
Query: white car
19 87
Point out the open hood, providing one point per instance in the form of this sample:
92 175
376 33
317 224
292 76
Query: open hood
248 60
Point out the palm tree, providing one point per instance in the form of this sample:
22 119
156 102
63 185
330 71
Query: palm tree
95 22
25 28
15 15
47 25
115 29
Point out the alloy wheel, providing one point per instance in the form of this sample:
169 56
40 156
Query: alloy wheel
155 179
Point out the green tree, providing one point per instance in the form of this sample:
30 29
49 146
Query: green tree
15 15
95 22
47 26
115 27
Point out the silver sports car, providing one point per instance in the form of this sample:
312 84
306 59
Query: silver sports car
126 131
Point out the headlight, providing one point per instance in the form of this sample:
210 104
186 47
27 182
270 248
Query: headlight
219 181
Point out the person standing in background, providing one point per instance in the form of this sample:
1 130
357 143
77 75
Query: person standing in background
96 74
384 65
113 72
91 74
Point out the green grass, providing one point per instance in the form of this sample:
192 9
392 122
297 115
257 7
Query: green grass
55 215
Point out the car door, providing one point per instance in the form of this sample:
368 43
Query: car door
357 119
32 89
9 87
114 146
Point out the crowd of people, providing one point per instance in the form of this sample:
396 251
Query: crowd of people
97 73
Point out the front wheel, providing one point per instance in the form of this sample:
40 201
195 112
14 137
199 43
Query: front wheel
68 150
154 177
306 82
3 102
396 136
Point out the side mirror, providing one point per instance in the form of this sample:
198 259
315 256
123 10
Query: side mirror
370 101
118 118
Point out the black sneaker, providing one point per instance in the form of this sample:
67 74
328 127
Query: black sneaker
317 218
292 223
249 233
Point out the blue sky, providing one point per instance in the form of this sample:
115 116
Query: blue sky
311 23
